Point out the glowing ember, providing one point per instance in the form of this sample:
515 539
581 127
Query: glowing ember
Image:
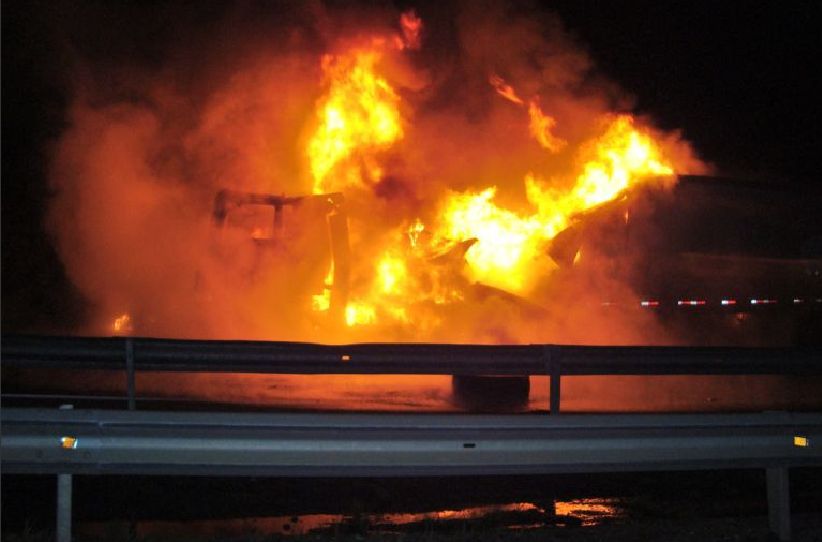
411 27
122 325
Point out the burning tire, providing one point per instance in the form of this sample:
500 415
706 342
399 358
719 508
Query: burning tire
485 393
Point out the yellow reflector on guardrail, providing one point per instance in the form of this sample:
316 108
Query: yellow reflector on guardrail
800 441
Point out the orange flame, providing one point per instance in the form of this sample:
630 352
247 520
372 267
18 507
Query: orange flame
322 302
122 325
505 240
619 157
411 27
358 116
504 89
420 234
541 126
509 244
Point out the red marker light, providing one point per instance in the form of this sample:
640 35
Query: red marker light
763 301
691 302
728 301
649 303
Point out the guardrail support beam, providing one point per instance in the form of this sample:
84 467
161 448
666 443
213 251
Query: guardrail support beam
556 375
130 386
779 503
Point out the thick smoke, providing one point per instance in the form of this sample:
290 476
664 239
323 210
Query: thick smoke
226 99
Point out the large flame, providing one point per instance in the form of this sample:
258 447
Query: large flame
358 117
619 158
453 188
505 240
509 244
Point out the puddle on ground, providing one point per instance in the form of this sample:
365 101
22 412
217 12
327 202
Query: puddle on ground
515 516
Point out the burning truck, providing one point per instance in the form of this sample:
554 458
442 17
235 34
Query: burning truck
720 261
697 254
366 188
707 247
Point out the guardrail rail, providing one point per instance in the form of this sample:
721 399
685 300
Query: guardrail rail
131 441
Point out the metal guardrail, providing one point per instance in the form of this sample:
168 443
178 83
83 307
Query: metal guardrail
357 444
400 358
150 442
142 354
67 442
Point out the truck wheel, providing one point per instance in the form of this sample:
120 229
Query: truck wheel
491 393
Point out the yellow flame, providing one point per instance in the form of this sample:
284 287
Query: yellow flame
504 239
358 115
509 251
388 294
399 314
620 156
414 232
404 281
357 313
508 244
322 302
391 274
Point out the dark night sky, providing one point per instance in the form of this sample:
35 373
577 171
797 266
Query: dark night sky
737 78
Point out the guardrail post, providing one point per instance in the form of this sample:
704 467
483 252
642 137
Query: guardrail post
132 400
779 503
64 490
64 483
552 362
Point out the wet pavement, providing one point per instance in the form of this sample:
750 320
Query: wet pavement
719 505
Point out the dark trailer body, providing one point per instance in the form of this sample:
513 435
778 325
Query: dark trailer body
721 261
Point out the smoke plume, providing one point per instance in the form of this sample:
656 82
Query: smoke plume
170 107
